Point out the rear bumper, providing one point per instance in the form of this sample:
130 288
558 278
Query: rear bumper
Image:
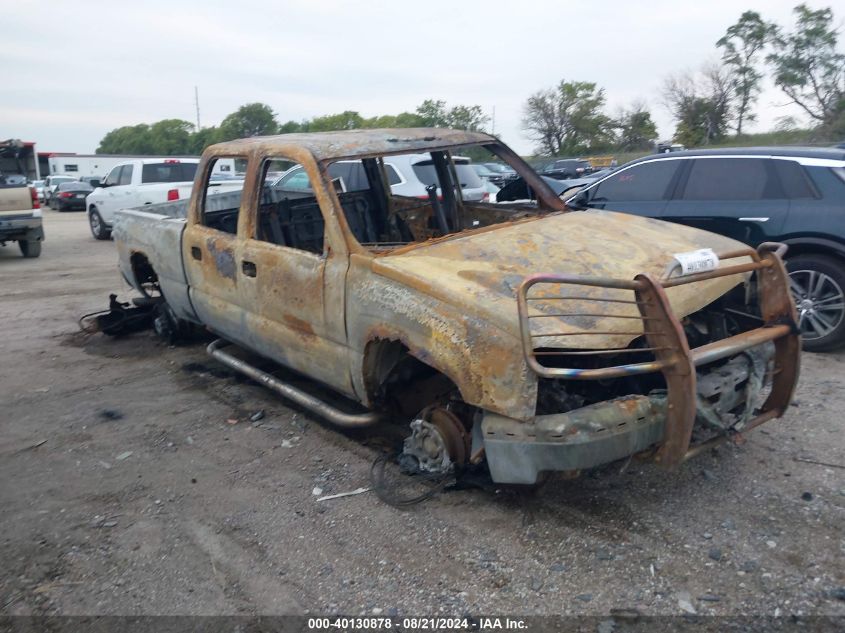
75 204
21 227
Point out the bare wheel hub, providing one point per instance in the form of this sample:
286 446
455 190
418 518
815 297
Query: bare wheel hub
437 444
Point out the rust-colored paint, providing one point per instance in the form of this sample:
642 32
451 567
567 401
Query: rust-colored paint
666 336
452 300
295 323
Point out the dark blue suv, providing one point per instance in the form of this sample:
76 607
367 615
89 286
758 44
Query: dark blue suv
754 195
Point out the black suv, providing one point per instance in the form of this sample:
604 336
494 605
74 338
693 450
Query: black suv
754 195
566 168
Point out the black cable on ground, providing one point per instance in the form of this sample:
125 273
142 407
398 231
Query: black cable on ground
383 491
123 321
88 329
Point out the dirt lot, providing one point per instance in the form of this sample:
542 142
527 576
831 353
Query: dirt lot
125 491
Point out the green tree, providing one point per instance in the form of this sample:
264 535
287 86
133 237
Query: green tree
293 126
129 139
567 119
808 67
252 119
635 129
203 138
468 118
700 103
170 137
433 113
406 119
742 46
347 120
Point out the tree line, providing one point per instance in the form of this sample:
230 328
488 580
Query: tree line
711 103
804 63
570 118
171 137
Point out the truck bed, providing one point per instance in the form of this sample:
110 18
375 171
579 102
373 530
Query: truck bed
227 199
154 232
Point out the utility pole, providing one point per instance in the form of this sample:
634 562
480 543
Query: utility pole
493 124
197 103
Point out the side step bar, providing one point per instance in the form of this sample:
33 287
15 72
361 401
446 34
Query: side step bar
305 400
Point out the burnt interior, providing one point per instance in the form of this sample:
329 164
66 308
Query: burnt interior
380 219
731 314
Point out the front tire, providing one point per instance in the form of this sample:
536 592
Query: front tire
817 283
30 248
98 227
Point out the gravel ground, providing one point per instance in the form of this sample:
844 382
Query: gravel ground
126 491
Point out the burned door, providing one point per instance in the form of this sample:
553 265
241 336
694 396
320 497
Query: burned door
211 252
291 273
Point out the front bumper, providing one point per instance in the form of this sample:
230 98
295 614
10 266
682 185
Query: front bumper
606 431
615 429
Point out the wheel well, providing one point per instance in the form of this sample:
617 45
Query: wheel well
397 380
143 271
814 249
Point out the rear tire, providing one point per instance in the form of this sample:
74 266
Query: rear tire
30 248
817 283
98 227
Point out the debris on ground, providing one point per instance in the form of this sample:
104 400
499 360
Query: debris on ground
32 447
357 491
123 455
685 602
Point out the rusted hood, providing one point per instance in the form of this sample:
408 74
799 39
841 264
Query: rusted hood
480 271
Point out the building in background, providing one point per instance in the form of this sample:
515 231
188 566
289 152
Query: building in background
98 165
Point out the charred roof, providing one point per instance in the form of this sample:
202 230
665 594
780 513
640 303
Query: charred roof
360 143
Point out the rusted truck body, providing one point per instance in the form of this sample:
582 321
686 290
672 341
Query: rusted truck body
535 337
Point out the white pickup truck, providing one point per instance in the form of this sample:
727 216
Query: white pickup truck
144 181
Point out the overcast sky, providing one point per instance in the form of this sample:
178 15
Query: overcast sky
72 71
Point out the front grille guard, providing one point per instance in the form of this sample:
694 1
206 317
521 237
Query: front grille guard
665 338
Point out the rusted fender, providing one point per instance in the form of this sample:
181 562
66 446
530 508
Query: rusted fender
484 362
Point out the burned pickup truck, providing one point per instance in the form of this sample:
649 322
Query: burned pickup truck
525 334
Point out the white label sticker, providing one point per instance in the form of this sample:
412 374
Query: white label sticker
698 261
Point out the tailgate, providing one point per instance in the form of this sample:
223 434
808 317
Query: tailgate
15 199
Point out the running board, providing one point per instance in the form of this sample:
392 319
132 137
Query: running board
286 390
